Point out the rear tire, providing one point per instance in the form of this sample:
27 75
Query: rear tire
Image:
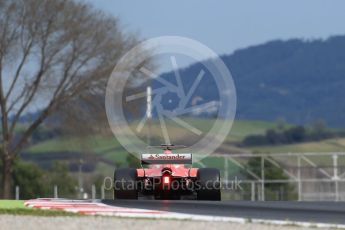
209 184
125 184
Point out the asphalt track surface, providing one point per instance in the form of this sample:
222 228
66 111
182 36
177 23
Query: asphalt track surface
315 212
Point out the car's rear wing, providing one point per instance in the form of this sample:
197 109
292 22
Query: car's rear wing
173 158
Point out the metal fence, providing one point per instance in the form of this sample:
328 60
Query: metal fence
288 176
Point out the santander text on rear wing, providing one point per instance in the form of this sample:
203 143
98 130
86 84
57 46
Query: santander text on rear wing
173 158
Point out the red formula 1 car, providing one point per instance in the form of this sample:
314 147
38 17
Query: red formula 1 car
167 176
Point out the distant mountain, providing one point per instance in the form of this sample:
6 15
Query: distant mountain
299 80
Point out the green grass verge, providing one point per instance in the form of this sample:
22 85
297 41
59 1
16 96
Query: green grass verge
16 207
11 204
36 212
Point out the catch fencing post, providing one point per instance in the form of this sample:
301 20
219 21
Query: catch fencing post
262 178
17 192
149 112
253 191
299 178
93 192
335 176
56 191
226 172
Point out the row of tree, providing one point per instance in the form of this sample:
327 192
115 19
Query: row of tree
55 57
286 191
291 135
35 182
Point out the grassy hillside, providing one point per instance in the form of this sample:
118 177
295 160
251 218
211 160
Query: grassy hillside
109 149
108 144
242 128
329 145
109 152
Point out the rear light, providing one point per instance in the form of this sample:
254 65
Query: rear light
166 179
